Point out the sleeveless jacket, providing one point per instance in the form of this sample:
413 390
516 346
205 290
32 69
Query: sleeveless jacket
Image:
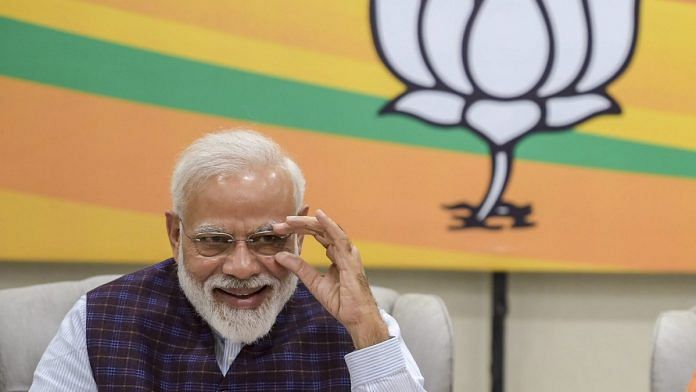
144 335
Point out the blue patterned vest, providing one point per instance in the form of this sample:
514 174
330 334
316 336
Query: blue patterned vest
144 335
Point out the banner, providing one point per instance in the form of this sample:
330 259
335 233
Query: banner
483 135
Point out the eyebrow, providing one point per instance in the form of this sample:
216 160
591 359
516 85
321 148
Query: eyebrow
210 229
217 229
264 228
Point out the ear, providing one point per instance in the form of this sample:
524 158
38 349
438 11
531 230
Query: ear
173 232
300 237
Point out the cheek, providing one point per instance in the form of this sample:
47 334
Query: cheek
201 268
276 270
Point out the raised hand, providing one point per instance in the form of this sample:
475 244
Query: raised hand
343 290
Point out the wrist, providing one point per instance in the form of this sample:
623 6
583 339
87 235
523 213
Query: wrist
368 333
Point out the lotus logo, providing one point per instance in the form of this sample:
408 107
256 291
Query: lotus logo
504 69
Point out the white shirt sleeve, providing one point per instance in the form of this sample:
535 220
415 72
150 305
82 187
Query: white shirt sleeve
385 367
65 364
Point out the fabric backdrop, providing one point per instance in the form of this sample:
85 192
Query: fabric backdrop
98 97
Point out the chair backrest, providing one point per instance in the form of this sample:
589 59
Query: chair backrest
30 317
426 328
674 351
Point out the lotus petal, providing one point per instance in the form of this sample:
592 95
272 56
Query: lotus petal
437 107
503 121
508 47
570 40
444 22
395 24
566 111
613 29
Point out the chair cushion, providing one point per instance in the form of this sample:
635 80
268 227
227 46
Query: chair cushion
674 351
30 318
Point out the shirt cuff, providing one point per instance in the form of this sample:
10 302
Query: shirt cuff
375 362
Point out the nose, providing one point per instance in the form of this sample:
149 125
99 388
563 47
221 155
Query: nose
240 262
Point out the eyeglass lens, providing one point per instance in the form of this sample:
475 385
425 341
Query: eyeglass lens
214 244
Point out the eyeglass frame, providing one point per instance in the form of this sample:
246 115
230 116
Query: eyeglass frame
231 240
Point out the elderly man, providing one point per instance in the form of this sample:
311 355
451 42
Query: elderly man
227 312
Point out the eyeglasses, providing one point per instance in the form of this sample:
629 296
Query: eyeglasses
265 243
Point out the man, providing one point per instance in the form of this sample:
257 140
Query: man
227 312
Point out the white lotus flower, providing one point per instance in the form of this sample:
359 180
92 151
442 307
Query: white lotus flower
504 68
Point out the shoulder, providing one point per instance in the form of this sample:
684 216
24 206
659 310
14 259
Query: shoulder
155 276
149 289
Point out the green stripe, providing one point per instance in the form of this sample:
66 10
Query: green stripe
76 62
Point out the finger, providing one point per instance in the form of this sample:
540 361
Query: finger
322 240
301 224
305 272
341 250
285 228
308 222
334 232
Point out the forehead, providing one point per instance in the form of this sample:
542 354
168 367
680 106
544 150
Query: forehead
242 201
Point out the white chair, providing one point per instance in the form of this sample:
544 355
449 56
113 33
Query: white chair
30 317
674 351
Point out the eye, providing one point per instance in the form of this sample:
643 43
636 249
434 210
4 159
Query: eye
213 239
266 239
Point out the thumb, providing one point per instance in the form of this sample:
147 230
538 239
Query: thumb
295 264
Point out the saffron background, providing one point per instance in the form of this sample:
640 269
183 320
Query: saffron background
98 97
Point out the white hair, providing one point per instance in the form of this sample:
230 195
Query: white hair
225 153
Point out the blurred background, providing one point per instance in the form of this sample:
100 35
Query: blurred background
97 99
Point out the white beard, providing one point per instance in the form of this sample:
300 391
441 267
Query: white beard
239 325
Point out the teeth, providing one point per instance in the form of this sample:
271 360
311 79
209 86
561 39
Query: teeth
242 292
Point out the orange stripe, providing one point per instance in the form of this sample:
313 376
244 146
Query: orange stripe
119 154
114 235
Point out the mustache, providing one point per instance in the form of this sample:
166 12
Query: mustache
230 282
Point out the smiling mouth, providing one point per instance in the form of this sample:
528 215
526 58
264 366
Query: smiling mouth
241 293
